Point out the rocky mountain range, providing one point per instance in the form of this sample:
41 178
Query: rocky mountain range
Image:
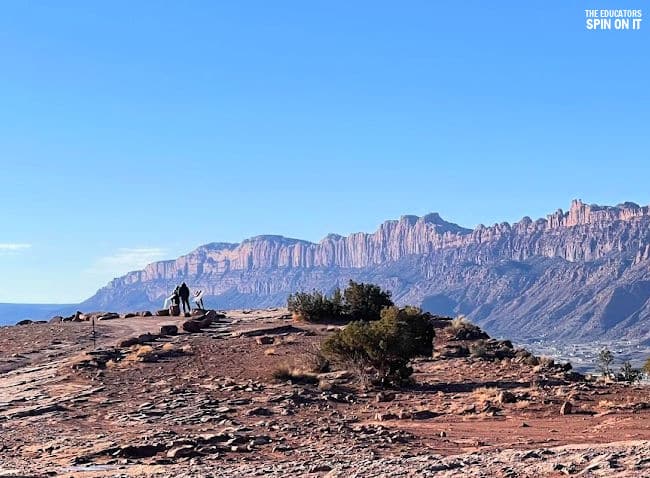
576 275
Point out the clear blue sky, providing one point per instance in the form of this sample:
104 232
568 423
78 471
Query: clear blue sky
135 131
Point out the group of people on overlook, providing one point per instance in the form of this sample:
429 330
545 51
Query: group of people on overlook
181 295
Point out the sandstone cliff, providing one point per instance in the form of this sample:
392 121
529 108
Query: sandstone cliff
577 274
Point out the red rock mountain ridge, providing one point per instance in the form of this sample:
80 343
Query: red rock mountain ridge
577 274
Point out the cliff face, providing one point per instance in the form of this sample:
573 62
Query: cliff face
575 274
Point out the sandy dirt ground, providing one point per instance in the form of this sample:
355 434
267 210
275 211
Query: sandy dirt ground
207 404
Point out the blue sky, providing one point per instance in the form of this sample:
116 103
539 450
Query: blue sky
136 131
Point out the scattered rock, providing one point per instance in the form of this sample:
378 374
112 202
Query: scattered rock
566 408
35 410
192 326
140 451
260 411
131 341
506 397
148 337
265 340
424 414
382 417
162 313
168 329
385 396
182 451
283 329
453 351
320 468
108 316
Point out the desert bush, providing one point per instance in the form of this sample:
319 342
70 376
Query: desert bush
365 301
358 301
459 322
314 306
604 360
546 362
315 361
384 347
628 373
462 329
485 394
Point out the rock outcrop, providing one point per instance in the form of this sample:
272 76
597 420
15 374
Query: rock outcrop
577 274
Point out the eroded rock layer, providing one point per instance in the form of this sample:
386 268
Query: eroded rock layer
574 275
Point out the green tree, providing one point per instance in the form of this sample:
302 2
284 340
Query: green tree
628 373
365 301
357 302
386 345
605 359
312 306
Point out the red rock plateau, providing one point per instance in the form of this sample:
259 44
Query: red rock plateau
206 403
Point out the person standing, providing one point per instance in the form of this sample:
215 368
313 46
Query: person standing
172 299
184 293
198 298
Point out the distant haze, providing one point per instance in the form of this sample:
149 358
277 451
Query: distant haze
12 313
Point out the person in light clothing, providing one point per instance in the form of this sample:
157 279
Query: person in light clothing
174 299
198 298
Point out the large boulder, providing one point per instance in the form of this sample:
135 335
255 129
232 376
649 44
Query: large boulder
162 313
566 408
145 313
147 337
453 351
25 322
168 329
131 341
57 319
175 310
192 326
109 316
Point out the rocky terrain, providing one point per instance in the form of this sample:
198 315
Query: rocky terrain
167 396
576 275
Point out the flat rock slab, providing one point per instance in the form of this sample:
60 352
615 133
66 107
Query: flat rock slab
284 329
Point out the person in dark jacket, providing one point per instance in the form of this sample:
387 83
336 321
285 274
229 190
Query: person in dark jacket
184 293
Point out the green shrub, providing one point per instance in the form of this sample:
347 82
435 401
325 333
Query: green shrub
628 373
605 359
315 306
358 301
365 301
386 346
